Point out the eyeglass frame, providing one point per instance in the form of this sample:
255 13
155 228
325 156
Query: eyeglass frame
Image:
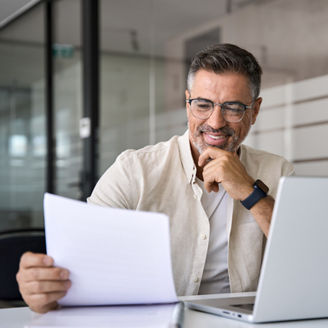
190 100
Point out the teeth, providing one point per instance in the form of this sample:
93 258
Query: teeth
215 137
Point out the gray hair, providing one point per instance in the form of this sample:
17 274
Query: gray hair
222 58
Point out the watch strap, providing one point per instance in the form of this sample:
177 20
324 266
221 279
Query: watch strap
257 194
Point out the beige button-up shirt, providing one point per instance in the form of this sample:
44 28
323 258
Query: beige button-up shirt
161 178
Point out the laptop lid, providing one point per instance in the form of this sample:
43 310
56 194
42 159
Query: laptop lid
293 282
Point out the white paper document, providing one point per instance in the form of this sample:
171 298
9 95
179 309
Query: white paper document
114 256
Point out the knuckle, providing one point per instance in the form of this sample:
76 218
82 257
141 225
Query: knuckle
23 259
57 272
34 274
27 299
221 164
218 168
205 173
226 158
224 164
43 299
37 287
26 254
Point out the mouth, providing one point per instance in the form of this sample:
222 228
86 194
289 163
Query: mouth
214 139
206 136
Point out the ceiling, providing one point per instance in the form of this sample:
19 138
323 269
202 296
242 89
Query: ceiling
279 32
11 8
127 26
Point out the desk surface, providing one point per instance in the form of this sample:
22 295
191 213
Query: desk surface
21 317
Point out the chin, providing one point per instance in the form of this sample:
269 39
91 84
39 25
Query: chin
201 146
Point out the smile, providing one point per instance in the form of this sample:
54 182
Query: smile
214 139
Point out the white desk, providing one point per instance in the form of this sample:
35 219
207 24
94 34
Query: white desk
20 317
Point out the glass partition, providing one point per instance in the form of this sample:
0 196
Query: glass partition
67 96
22 122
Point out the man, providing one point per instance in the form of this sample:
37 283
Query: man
214 189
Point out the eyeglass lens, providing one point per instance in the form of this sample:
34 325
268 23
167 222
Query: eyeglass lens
231 112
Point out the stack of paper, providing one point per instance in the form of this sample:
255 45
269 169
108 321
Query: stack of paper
128 316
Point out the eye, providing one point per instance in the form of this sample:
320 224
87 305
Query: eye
203 105
233 107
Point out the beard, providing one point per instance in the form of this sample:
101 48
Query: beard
232 138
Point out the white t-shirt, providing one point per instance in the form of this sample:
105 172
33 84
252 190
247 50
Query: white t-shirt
215 276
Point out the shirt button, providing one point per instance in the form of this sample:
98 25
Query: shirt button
203 236
196 280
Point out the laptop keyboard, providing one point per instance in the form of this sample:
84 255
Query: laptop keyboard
249 306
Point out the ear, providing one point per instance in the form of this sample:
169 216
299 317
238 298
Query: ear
256 109
187 94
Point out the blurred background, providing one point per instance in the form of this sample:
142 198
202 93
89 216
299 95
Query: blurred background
50 135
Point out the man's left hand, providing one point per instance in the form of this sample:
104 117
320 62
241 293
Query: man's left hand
221 166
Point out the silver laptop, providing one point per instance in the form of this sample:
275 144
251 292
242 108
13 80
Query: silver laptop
293 283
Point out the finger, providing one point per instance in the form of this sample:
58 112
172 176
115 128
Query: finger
30 259
212 186
204 158
213 171
45 302
41 287
210 182
44 309
53 273
213 166
212 176
210 153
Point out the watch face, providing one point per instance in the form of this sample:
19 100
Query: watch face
262 185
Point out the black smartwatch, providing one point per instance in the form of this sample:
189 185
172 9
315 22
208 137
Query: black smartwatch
260 191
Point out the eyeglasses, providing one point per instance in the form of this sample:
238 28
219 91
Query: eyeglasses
232 111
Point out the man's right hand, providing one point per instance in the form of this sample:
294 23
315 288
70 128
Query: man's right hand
40 282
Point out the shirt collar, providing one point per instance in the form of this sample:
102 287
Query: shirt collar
186 157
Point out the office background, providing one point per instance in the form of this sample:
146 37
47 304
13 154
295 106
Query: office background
134 89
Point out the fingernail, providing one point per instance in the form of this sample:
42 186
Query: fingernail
64 274
68 284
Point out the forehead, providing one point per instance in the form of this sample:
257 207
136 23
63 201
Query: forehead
222 86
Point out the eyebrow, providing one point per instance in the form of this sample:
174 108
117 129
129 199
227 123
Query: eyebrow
200 98
228 101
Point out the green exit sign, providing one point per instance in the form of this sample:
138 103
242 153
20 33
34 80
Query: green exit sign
63 50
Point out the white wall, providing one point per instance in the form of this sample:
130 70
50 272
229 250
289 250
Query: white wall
293 122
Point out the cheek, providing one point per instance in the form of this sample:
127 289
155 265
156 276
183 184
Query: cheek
243 130
193 124
189 118
240 130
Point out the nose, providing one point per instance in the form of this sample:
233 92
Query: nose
216 120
